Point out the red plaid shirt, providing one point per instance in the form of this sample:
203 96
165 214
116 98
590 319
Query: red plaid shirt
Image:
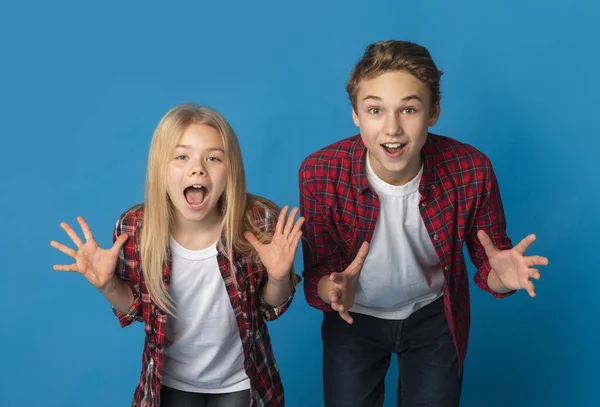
250 310
459 196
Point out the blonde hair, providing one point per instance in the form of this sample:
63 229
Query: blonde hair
236 203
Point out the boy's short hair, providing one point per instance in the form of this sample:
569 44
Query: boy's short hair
392 55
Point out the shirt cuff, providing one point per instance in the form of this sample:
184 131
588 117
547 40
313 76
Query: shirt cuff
481 278
135 311
270 312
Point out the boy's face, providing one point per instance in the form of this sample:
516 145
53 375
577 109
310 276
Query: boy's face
393 112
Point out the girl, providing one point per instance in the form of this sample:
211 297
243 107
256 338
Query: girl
203 264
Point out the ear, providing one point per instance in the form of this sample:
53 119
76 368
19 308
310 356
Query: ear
355 118
434 116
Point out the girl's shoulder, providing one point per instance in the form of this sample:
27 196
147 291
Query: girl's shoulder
263 213
131 220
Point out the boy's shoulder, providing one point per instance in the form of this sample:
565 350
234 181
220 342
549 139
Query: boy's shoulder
337 150
336 155
346 149
447 149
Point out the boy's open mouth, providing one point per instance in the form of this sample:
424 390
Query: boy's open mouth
393 147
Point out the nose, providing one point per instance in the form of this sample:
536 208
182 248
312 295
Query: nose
392 125
197 169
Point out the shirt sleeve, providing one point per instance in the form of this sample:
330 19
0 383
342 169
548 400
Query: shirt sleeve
320 252
268 221
269 312
128 268
489 218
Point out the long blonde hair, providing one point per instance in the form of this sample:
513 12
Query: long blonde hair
236 203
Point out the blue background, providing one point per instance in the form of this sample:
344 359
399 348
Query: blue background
83 85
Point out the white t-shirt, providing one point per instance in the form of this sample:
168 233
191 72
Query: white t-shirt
203 350
402 271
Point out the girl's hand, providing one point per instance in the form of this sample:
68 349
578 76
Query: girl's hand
97 265
278 256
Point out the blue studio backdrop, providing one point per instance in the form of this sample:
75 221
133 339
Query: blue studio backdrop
83 85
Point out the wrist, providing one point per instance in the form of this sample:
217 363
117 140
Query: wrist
111 285
323 288
279 281
496 284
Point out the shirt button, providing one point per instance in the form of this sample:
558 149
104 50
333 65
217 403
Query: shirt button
436 237
433 187
446 268
423 204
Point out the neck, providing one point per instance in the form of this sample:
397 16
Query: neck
394 178
197 235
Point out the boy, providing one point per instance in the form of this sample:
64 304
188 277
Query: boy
387 215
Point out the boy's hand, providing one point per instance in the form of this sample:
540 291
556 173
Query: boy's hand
512 267
342 287
94 263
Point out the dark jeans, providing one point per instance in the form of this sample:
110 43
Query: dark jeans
356 359
170 397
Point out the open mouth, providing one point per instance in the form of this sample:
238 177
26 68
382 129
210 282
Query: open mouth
394 148
195 195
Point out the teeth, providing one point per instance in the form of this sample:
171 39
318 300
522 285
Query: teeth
197 186
395 145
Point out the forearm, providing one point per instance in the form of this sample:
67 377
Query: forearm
119 294
495 284
276 292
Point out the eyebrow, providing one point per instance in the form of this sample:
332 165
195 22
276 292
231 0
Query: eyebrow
404 99
186 146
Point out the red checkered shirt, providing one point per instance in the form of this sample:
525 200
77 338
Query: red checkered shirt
459 196
251 313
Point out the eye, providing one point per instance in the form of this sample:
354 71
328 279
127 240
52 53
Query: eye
213 159
181 157
374 110
409 110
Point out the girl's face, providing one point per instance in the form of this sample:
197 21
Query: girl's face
197 175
